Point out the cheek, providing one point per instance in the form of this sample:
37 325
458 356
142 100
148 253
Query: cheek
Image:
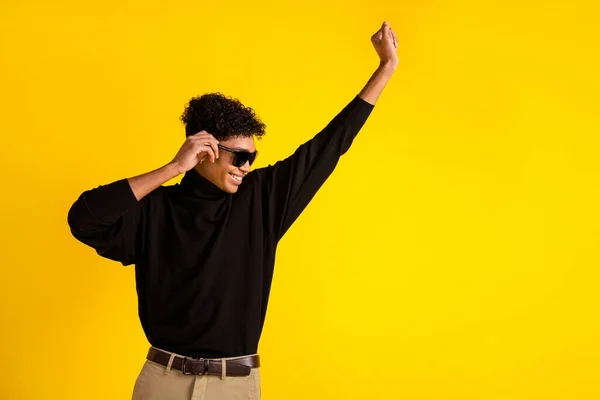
224 159
216 170
221 167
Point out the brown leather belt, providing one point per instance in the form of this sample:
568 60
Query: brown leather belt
206 366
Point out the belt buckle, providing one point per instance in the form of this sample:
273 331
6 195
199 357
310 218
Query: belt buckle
204 366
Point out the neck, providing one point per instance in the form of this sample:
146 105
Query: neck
197 185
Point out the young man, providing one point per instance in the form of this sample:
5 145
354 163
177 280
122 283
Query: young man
204 249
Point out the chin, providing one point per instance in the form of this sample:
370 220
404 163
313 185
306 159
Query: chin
230 188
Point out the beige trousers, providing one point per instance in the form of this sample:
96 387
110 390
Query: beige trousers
157 382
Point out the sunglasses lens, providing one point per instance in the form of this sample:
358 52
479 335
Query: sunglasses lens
242 157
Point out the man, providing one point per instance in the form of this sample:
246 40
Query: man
204 249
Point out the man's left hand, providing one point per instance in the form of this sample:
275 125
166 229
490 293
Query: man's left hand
386 43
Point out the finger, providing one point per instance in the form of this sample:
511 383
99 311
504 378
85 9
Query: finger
203 135
213 156
212 142
385 27
208 151
377 35
208 140
214 146
199 145
395 37
387 34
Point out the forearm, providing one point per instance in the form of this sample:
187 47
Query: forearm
142 185
377 83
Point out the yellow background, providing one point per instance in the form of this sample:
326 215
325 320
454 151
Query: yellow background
452 255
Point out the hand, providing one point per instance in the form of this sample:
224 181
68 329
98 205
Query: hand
195 149
386 43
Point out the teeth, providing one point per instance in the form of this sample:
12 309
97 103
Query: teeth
235 177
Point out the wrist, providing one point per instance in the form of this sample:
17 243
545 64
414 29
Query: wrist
388 66
173 169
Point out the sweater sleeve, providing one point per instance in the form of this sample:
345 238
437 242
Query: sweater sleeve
110 220
290 184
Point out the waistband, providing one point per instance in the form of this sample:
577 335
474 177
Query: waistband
228 366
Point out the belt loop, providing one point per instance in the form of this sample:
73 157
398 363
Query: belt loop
223 368
169 363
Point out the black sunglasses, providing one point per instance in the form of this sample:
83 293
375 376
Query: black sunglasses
240 156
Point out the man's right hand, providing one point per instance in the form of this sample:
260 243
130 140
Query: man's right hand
195 149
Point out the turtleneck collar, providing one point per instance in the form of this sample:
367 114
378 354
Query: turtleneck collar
196 185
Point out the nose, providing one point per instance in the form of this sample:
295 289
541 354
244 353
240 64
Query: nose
246 167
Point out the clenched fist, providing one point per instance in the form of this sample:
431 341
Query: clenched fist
386 43
195 149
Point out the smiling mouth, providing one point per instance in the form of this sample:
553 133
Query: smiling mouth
236 177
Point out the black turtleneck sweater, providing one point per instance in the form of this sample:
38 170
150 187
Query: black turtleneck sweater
204 258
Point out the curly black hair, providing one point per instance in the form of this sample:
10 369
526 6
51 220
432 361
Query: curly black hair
222 117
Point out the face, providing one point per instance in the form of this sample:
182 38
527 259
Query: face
222 173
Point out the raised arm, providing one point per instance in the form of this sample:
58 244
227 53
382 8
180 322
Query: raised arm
290 184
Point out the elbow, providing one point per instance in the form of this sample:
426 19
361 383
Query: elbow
72 218
76 217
